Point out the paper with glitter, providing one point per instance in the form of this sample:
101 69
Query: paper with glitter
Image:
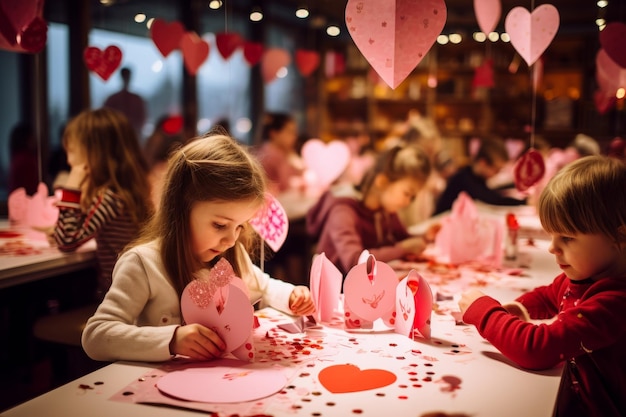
271 223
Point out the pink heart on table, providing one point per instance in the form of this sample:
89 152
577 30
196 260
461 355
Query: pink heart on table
307 61
326 160
370 289
532 33
414 305
273 59
166 36
395 36
325 283
227 43
271 223
104 63
350 378
252 52
487 14
612 39
609 74
195 51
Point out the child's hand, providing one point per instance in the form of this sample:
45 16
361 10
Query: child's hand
300 301
197 342
414 245
468 298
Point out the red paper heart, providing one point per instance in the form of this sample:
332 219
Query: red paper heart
22 28
166 36
34 35
227 43
252 52
273 60
195 51
350 378
529 169
307 61
612 39
103 63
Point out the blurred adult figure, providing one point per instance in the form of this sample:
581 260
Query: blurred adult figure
128 103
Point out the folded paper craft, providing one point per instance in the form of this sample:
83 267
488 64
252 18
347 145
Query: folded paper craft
325 282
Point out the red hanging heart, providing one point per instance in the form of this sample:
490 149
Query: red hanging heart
612 39
307 61
529 169
195 51
166 36
34 35
104 63
252 52
227 43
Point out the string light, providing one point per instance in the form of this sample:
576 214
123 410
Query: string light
302 12
333 30
256 15
215 4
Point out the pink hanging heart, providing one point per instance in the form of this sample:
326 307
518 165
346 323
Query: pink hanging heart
613 39
609 74
529 169
273 60
395 36
227 43
327 160
104 63
487 14
271 223
195 51
532 33
307 61
166 36
252 52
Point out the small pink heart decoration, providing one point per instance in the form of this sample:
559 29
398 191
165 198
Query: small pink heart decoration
326 160
532 33
166 36
307 61
271 223
613 39
104 63
487 14
252 52
273 60
195 51
394 36
227 43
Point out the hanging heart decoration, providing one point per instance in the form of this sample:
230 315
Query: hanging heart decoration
609 74
166 36
271 223
227 43
252 52
103 63
22 28
613 39
195 51
532 33
273 60
395 36
327 161
529 169
487 14
307 61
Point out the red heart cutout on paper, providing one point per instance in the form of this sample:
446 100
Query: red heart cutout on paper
529 169
103 63
166 36
307 61
227 43
252 52
195 51
350 378
612 39
33 36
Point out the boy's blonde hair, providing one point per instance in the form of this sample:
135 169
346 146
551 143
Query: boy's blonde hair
587 196
210 168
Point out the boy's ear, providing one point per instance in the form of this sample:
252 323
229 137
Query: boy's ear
381 181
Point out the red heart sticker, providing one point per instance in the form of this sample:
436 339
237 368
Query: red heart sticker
252 52
104 63
307 61
529 169
227 43
195 51
166 36
33 36
350 378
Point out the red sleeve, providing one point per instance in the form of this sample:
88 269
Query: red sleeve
541 302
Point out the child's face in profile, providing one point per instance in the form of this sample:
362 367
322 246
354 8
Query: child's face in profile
399 194
75 153
583 256
215 226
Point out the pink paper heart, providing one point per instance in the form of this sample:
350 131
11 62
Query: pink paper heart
532 33
609 74
327 160
252 52
273 60
395 36
613 39
227 43
104 63
166 36
487 14
423 298
370 289
195 51
271 223
307 61
325 283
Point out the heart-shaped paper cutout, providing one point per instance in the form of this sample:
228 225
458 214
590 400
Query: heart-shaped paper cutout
613 39
325 283
532 33
273 60
370 289
350 378
33 36
22 28
271 223
609 74
423 301
395 36
326 160
529 169
222 381
166 36
104 63
195 51
487 14
252 52
307 61
227 43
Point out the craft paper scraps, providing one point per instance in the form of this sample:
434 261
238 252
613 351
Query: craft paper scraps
532 33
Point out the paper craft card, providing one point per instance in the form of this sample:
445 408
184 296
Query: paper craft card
325 283
414 306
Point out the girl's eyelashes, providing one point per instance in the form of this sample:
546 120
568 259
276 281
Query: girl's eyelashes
219 226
